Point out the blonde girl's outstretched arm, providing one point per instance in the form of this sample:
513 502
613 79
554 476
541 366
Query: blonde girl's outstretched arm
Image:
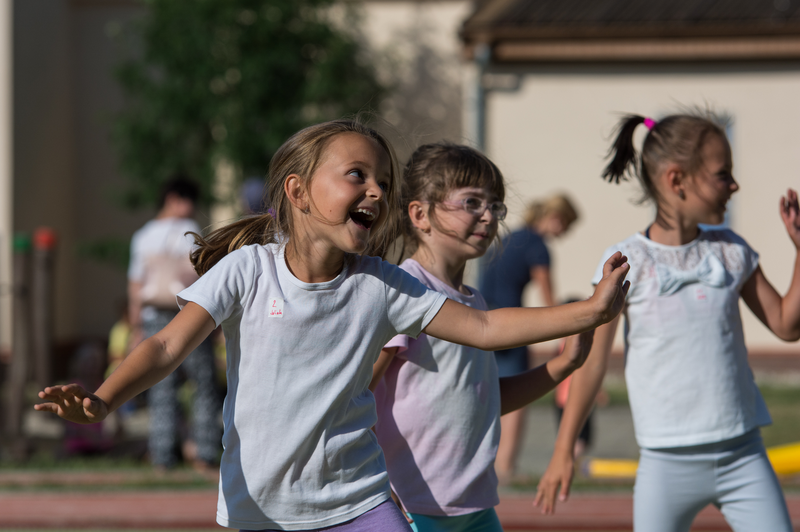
150 362
514 327
583 388
780 314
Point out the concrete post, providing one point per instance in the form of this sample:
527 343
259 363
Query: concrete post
42 290
20 369
6 170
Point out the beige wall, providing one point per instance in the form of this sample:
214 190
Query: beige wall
65 175
418 51
553 133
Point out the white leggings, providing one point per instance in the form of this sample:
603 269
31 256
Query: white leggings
673 485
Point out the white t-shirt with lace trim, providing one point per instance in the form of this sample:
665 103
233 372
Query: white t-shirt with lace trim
686 368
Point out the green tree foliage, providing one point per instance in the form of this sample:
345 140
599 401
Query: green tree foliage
232 79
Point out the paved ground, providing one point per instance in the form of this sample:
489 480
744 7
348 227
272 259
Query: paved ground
107 508
195 509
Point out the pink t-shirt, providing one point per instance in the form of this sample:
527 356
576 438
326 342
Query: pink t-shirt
439 418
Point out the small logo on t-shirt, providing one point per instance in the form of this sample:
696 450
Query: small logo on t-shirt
700 293
275 307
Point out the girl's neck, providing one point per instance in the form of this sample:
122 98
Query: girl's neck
675 232
449 270
312 265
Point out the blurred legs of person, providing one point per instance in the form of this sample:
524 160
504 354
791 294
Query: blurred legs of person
164 408
512 425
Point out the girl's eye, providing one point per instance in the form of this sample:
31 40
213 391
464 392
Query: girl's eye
472 203
384 186
357 173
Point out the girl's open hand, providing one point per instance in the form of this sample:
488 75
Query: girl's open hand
577 348
609 294
555 483
790 214
73 403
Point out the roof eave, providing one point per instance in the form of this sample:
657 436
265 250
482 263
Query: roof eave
779 48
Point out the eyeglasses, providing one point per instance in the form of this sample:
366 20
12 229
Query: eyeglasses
477 206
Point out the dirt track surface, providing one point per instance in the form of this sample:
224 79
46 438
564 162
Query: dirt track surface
196 509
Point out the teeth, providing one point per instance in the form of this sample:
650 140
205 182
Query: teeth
368 213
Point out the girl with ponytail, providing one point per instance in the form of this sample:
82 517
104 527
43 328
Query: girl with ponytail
696 408
305 311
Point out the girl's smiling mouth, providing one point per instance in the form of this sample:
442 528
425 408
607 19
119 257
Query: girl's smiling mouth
363 217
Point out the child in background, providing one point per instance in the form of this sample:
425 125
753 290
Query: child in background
696 408
439 403
305 312
523 258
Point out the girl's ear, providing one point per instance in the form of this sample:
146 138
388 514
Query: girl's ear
676 180
296 192
418 212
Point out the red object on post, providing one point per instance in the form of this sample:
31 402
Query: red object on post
44 238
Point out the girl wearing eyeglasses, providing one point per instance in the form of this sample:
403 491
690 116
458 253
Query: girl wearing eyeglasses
522 259
439 403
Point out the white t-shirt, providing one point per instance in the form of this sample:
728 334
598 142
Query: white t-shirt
298 449
686 368
439 418
164 236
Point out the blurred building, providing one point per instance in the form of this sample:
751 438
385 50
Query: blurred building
540 84
565 71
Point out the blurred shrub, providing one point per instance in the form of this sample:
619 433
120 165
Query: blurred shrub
211 80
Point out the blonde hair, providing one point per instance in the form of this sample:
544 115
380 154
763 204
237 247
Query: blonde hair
558 204
433 170
300 155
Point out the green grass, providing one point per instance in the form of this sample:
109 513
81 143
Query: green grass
782 401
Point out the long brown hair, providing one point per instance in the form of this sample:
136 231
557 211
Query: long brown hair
300 155
433 170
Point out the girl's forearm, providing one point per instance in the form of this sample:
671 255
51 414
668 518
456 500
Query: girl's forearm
506 328
584 386
158 356
521 390
145 366
514 327
790 303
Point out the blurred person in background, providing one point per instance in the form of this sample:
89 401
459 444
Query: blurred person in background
522 258
159 269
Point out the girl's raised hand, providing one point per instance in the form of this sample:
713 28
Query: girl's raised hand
790 214
73 403
609 294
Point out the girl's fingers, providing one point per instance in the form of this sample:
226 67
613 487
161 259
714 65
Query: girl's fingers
75 390
563 494
46 407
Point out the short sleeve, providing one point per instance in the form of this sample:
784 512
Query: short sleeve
221 290
749 256
536 254
136 264
598 273
410 304
400 341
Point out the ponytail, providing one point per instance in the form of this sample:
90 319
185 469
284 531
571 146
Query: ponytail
675 138
260 229
622 153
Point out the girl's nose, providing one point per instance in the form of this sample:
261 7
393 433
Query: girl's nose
487 216
376 191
